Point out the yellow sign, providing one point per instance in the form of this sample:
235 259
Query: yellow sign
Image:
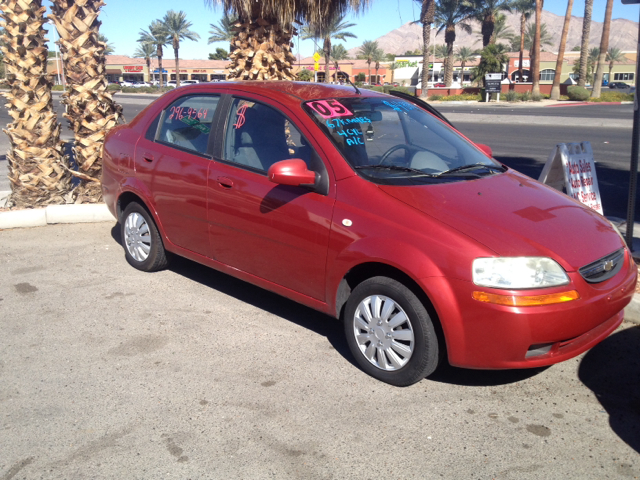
316 57
316 66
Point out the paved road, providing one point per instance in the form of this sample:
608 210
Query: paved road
110 373
624 112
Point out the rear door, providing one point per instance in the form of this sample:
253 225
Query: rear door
173 159
278 233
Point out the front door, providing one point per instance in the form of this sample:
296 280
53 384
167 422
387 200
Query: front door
278 233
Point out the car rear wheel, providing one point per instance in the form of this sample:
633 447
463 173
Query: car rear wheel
390 332
142 243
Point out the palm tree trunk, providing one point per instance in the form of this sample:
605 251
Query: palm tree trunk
326 49
584 52
176 48
555 89
426 18
377 78
91 110
159 52
535 70
449 38
604 46
610 71
523 26
488 24
369 71
38 170
262 49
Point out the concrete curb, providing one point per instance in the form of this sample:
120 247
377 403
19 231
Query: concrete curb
39 217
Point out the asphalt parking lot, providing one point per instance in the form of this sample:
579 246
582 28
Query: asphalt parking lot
108 372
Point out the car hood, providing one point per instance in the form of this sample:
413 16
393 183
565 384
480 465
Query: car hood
514 215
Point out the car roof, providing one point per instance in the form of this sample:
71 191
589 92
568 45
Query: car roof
301 90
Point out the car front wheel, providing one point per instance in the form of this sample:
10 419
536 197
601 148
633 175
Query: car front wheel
390 333
142 243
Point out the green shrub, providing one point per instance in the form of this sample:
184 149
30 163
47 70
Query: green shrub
436 98
511 96
613 97
536 97
57 88
461 98
525 96
112 87
576 93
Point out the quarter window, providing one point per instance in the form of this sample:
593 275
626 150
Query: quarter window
187 122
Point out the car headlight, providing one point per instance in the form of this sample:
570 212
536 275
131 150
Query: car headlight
518 272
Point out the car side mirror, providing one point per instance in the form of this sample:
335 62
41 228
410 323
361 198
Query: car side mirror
292 172
485 148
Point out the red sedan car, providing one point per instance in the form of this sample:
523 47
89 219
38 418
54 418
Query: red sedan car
371 208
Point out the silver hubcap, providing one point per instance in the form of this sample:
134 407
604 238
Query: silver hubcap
383 332
137 237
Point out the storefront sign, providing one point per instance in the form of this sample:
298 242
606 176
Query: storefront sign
133 68
157 70
181 71
407 63
571 166
197 71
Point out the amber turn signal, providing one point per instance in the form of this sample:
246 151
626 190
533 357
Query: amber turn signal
526 300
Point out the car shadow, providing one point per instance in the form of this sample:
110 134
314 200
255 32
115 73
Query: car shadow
612 371
481 378
273 303
322 324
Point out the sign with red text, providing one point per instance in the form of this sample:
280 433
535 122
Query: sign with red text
571 166
132 68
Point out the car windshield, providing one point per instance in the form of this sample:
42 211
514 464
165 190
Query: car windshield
394 141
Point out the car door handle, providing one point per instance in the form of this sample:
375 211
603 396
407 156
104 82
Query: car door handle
148 157
225 182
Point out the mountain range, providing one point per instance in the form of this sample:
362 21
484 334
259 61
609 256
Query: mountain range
624 35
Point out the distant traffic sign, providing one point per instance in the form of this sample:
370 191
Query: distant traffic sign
316 57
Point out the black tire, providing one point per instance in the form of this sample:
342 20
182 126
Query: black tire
383 347
143 247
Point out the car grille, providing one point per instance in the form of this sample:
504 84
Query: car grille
603 269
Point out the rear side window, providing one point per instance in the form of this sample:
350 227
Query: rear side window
186 123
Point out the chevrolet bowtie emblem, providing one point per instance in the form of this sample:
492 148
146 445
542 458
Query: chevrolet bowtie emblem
608 266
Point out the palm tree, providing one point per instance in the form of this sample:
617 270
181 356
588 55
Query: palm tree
525 9
108 46
158 38
378 56
146 51
449 14
90 108
501 31
336 28
530 35
584 50
604 46
592 60
614 55
535 70
555 89
494 56
176 27
367 52
38 169
264 31
338 52
441 51
464 55
223 32
485 11
427 14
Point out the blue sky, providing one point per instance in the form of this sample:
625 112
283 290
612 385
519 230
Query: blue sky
122 21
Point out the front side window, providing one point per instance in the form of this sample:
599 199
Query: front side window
187 122
259 136
394 141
